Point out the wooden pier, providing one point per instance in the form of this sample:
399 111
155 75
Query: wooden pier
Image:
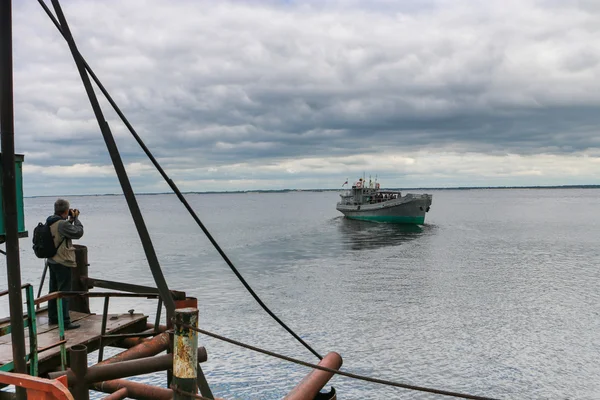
88 334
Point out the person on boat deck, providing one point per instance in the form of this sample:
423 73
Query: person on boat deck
65 226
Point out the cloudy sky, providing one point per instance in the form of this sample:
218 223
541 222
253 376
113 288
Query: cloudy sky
245 95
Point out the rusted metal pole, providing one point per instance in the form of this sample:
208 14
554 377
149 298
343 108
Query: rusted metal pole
123 369
79 389
118 395
312 383
80 303
136 390
202 383
201 379
185 353
147 348
9 192
161 328
128 343
115 156
128 287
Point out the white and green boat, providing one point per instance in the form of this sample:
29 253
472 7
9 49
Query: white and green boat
368 202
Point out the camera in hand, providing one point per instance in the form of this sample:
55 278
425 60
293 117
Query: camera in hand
73 212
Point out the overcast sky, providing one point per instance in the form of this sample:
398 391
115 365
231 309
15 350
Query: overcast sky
285 94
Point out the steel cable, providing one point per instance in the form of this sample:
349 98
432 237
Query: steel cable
335 371
176 190
180 196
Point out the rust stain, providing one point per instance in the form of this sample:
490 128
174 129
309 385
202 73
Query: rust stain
184 358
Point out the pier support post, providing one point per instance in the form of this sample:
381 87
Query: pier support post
185 354
9 192
80 303
79 367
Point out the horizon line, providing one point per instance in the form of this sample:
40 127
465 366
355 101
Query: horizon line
591 186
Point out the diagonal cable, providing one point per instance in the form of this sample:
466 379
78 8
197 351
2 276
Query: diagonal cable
335 371
176 190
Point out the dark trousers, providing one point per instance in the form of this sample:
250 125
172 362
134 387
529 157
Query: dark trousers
60 281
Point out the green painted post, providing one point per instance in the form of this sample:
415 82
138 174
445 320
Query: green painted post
185 354
8 367
32 323
19 187
61 335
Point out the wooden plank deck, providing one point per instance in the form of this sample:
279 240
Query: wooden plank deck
88 334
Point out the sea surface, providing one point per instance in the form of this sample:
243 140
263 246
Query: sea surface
496 295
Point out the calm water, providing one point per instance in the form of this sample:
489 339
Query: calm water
497 295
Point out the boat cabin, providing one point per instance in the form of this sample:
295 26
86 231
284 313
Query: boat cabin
363 193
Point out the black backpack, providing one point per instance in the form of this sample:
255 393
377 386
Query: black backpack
43 242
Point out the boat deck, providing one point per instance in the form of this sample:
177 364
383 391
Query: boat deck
87 334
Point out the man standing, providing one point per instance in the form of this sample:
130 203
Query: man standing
63 231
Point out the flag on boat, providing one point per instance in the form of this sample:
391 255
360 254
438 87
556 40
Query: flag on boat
345 183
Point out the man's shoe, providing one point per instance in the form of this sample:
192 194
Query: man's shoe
70 326
52 322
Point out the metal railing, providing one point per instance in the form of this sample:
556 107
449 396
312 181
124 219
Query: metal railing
30 322
31 319
106 295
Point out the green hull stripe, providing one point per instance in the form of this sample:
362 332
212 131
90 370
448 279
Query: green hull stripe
391 218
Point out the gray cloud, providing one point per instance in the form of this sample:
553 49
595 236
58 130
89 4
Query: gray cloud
217 88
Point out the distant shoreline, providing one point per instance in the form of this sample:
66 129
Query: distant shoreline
338 189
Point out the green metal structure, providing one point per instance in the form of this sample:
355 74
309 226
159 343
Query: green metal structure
30 323
20 209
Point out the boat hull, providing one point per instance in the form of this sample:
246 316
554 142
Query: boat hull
410 209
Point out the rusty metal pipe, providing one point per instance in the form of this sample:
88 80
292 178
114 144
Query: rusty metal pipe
118 395
161 328
147 348
312 383
123 369
135 390
128 343
185 361
79 389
